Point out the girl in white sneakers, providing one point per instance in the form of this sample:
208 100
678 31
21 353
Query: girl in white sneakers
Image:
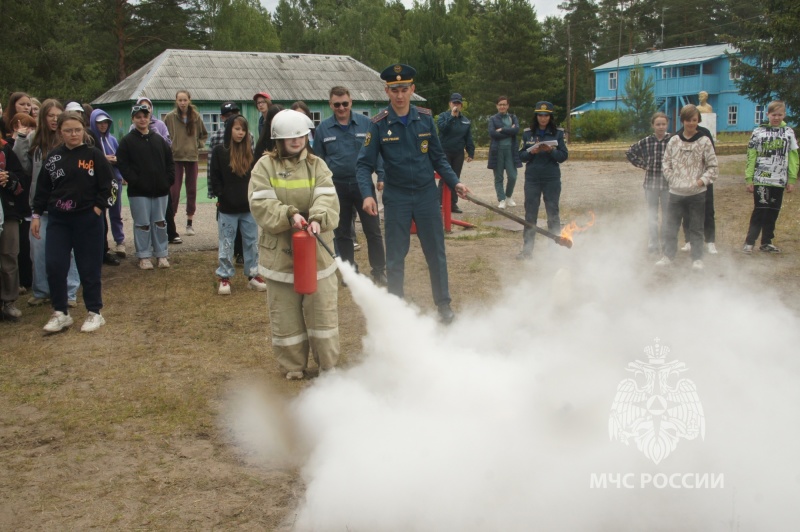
230 177
75 186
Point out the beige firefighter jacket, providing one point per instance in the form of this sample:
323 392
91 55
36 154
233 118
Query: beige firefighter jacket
280 188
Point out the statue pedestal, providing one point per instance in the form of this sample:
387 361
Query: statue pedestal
709 121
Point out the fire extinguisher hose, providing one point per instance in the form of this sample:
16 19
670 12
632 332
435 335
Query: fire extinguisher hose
324 245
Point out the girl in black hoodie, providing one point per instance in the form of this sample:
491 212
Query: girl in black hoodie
74 186
230 178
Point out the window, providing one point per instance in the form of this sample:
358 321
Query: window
365 113
690 70
316 116
665 73
759 117
731 76
212 122
707 68
612 81
733 115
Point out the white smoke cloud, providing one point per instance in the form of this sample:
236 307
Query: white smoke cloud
499 421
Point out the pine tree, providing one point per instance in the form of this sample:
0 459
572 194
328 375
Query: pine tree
505 57
639 98
769 64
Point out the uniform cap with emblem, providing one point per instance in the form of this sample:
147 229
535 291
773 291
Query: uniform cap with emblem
456 98
544 108
398 75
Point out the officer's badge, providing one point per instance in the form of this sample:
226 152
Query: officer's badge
367 139
398 69
424 146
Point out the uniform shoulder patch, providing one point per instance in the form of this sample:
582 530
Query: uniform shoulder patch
424 111
380 116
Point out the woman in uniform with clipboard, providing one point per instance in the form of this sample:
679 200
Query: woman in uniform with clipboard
543 150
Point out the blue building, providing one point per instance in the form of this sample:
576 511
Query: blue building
680 74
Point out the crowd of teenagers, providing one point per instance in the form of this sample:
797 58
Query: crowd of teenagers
680 171
62 173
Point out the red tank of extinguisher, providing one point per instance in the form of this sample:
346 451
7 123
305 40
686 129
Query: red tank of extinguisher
304 253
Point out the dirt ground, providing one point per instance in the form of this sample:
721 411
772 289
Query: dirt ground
119 429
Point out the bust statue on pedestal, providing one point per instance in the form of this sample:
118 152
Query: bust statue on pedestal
704 106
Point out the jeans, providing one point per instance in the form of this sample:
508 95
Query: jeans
227 224
534 192
654 198
41 288
149 237
505 161
767 206
190 168
690 209
81 232
709 225
115 216
349 200
24 258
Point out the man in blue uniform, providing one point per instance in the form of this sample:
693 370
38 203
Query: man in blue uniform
405 136
455 134
337 141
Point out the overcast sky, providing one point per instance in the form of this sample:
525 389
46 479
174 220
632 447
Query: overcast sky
544 8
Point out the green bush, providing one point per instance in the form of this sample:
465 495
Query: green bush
602 125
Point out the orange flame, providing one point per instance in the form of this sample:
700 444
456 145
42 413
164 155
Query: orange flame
573 228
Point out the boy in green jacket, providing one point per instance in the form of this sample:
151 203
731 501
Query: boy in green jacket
772 163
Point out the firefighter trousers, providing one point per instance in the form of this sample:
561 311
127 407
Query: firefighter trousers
300 322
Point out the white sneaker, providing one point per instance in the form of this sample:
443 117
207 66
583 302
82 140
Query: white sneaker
119 249
698 265
257 283
224 287
501 205
746 249
58 321
664 261
687 247
712 248
93 322
145 264
10 311
163 262
510 202
295 376
189 231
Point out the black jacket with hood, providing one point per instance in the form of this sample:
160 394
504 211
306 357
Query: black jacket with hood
146 164
230 188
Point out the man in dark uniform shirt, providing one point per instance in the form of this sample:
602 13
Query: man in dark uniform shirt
405 137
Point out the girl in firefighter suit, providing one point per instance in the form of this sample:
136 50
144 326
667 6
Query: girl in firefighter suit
291 189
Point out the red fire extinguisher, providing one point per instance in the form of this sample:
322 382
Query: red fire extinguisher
304 253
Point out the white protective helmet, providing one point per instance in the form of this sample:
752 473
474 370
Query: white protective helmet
289 124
